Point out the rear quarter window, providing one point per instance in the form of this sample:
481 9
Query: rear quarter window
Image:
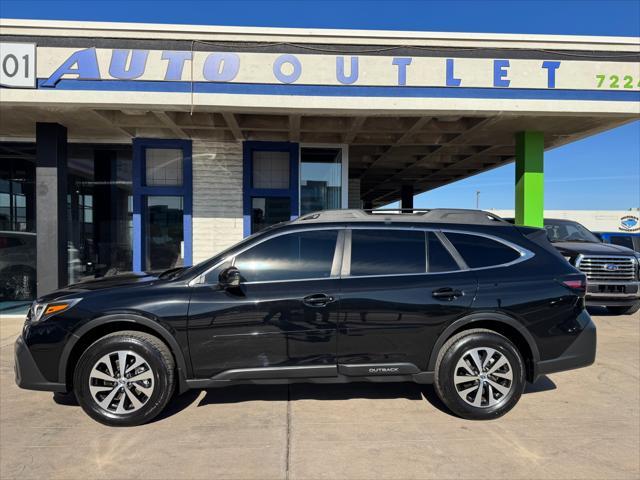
479 252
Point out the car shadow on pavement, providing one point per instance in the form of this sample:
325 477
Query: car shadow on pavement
307 391
543 384
65 399
600 312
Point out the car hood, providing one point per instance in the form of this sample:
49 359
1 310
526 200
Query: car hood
575 248
129 280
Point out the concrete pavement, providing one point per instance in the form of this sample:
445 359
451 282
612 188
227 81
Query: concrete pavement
579 424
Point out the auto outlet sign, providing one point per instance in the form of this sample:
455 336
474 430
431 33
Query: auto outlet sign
28 66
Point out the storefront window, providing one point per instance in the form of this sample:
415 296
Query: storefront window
320 179
270 170
99 202
164 167
164 232
17 224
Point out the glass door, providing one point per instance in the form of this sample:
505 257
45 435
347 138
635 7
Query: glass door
270 187
162 204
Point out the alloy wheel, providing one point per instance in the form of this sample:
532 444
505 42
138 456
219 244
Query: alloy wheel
483 377
121 382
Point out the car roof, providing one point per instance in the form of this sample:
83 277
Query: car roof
438 215
620 234
560 220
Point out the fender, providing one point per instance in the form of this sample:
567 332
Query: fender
477 317
134 319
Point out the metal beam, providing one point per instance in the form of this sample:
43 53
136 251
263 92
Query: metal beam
104 118
419 123
168 122
232 123
453 169
355 127
294 128
455 141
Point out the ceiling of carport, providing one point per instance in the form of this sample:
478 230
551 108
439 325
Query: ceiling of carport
385 152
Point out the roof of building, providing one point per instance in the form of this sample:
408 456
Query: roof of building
437 215
66 28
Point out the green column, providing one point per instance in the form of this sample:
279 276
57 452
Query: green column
530 179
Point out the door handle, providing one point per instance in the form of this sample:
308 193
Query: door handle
317 300
447 293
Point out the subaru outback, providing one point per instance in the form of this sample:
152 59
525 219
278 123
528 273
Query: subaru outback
460 299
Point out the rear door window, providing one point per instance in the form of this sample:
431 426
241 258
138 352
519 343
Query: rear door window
387 252
478 251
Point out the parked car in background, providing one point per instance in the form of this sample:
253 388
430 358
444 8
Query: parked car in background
17 265
461 299
612 270
624 239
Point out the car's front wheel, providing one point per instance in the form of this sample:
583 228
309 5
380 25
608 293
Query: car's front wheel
479 374
125 378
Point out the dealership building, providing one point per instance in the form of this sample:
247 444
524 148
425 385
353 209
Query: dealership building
135 147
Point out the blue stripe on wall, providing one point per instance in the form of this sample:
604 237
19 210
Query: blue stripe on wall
345 90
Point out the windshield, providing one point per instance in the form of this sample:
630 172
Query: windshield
566 231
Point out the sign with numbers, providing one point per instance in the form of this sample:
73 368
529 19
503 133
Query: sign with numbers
18 65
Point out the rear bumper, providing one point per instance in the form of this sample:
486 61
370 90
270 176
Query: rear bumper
28 376
581 353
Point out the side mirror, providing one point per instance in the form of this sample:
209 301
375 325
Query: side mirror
229 278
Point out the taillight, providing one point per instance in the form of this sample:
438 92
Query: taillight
577 283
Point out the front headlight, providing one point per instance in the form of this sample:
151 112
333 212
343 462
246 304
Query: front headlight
568 259
40 311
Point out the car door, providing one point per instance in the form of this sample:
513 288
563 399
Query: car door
282 319
399 289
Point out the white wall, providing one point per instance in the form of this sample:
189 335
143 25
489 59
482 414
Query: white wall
217 197
594 220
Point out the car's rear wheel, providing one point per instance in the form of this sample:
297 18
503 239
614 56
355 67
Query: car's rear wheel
125 378
626 310
479 374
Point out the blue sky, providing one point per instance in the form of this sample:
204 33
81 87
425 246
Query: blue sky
600 172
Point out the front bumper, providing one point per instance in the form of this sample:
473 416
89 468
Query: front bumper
28 376
613 294
581 353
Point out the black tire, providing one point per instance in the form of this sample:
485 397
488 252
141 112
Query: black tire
158 358
452 352
626 310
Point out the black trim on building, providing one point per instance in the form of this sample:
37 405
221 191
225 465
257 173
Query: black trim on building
323 49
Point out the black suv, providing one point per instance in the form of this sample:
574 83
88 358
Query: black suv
461 299
613 271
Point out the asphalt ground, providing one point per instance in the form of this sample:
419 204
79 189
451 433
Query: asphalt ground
575 425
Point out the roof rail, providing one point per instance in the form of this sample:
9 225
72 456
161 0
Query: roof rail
436 215
396 210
